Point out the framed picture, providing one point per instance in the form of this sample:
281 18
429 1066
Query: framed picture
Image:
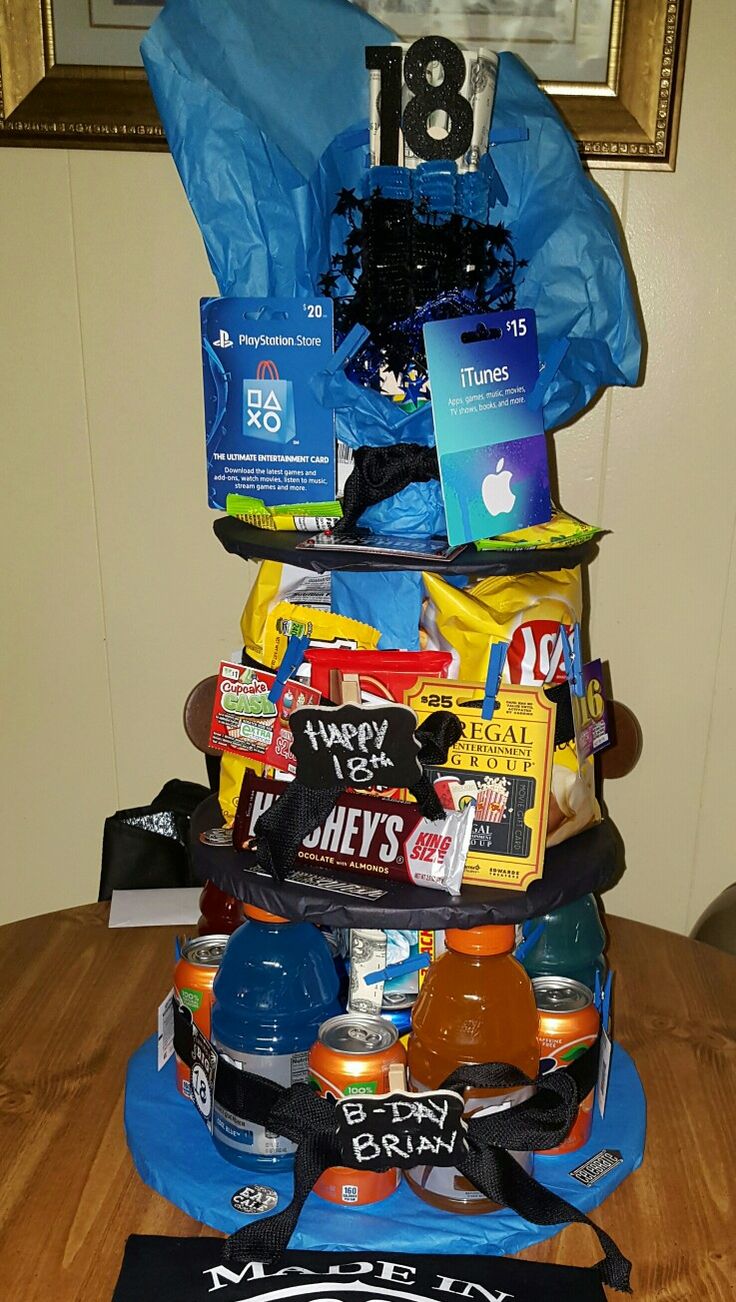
72 75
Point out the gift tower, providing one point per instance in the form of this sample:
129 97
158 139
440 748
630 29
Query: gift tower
420 284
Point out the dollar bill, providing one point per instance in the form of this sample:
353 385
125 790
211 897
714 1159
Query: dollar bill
367 954
480 89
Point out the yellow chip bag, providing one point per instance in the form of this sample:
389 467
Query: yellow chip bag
276 582
526 611
286 620
232 768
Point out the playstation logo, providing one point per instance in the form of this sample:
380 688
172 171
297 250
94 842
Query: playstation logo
224 341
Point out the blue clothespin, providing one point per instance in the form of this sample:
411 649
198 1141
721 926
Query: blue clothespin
508 135
349 346
573 657
496 662
530 941
497 192
566 652
290 662
597 1002
606 1002
413 964
177 949
577 655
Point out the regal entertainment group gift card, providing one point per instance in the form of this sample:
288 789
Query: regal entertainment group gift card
504 765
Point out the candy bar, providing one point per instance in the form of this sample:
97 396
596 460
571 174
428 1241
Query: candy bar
381 675
370 835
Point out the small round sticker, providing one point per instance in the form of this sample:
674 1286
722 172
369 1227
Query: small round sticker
201 1090
218 836
254 1199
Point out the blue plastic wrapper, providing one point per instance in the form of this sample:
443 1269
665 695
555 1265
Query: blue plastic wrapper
173 1152
251 97
388 599
265 110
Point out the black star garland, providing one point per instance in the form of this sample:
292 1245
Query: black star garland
403 265
347 203
328 283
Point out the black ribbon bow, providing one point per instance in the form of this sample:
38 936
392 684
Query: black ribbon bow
300 809
309 1121
381 472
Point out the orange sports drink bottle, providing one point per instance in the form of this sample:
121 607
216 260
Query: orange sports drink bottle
476 1005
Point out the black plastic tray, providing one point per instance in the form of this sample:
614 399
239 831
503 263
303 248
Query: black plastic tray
588 862
280 545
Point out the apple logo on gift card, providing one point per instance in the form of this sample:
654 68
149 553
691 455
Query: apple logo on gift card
496 491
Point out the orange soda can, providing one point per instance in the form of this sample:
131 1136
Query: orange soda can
194 977
568 1025
353 1055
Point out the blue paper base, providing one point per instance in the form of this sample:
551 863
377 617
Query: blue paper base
174 1154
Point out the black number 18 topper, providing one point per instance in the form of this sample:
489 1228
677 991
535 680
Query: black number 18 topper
356 746
425 100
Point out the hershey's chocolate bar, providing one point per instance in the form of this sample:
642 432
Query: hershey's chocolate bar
372 836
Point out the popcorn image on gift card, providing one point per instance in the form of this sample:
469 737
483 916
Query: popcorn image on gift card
492 800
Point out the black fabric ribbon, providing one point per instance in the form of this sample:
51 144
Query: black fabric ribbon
381 472
300 809
539 1122
561 694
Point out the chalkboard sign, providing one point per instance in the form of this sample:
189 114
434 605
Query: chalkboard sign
355 746
403 1130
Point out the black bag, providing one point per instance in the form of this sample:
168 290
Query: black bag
190 1270
149 846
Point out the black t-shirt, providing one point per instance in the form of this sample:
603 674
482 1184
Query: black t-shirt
190 1270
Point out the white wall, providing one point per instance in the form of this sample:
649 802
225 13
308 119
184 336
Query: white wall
116 597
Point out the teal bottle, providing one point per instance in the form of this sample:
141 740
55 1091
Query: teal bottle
275 986
571 945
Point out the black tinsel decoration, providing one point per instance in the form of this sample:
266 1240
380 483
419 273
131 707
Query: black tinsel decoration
403 265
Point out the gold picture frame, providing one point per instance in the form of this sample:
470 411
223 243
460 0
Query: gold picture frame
631 121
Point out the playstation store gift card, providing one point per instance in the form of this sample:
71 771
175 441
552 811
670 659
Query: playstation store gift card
267 435
490 437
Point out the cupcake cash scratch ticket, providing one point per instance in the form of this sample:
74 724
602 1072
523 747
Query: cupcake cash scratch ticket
504 764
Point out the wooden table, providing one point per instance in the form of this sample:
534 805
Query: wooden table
77 999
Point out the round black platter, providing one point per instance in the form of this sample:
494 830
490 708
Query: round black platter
280 545
587 862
